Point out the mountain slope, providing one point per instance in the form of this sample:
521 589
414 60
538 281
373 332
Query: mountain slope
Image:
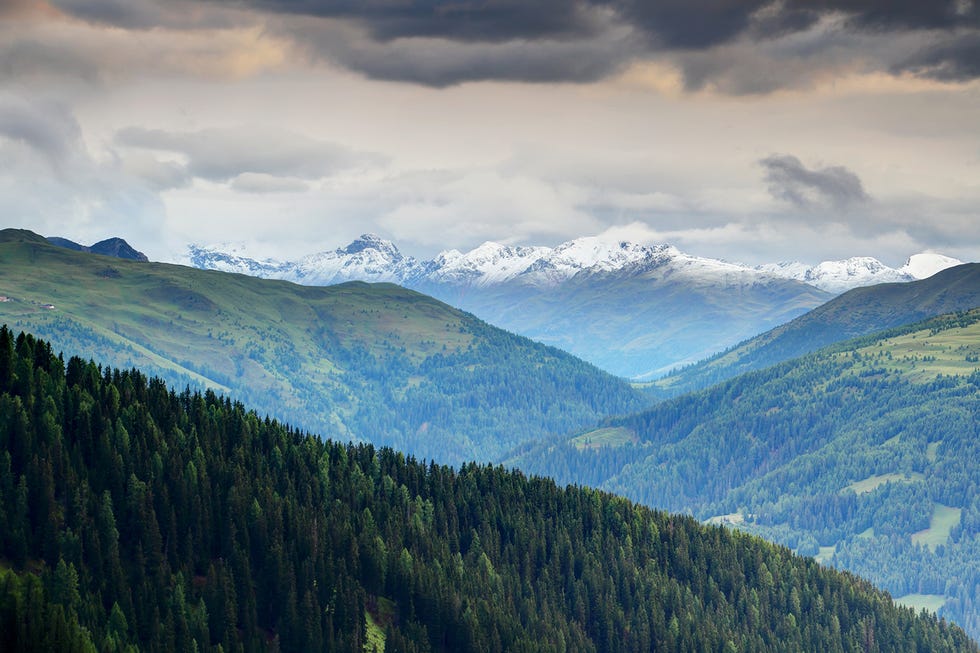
634 310
361 361
866 452
136 517
858 312
640 322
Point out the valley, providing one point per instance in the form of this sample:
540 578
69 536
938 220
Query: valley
861 454
110 486
633 310
858 454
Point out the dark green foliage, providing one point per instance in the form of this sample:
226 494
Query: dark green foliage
136 517
789 448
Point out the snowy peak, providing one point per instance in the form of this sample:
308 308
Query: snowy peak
372 243
367 258
231 257
372 258
840 276
488 264
926 264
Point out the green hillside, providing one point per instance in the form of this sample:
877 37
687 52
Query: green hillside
858 312
136 518
866 454
364 361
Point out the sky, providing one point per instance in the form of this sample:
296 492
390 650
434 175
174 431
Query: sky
748 130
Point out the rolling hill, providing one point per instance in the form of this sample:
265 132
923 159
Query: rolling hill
136 518
364 361
864 453
858 312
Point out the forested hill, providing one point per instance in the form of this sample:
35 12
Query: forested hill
866 453
858 312
135 518
373 362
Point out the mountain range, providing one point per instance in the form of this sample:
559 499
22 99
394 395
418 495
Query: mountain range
370 362
634 310
861 454
858 312
372 258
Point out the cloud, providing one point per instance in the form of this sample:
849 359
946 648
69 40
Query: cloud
50 182
834 186
734 46
223 154
251 182
152 14
46 127
441 62
956 59
469 207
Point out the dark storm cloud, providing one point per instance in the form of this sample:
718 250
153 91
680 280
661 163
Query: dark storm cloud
148 14
137 14
674 23
549 40
440 63
489 21
956 59
790 180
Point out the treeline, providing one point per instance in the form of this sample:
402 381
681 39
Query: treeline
137 518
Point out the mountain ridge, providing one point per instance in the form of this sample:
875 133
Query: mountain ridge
638 311
115 247
858 312
493 263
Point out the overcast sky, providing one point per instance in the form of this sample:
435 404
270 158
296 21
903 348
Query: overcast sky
743 129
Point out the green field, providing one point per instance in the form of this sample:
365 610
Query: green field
606 437
868 484
944 518
924 354
919 602
825 555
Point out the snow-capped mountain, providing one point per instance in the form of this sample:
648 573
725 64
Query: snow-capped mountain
488 264
839 276
372 258
369 258
923 266
635 310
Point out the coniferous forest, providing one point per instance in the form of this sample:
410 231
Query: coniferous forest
136 517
